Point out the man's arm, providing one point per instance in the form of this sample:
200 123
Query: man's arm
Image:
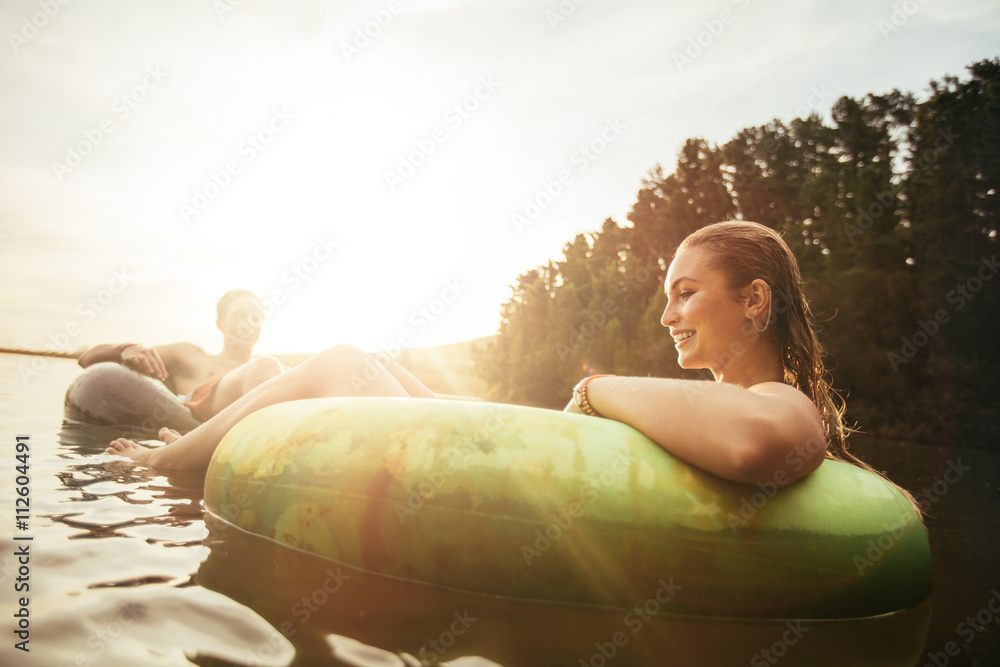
132 355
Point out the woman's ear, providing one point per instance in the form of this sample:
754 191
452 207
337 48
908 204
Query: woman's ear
760 295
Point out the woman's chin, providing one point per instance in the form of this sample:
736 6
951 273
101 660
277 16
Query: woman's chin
684 361
690 362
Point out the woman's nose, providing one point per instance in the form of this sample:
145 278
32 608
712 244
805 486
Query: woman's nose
668 316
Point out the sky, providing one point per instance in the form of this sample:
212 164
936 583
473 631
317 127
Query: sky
381 172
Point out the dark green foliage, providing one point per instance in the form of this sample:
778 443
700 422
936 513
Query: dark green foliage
892 211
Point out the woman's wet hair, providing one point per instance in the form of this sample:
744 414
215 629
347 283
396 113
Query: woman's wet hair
745 251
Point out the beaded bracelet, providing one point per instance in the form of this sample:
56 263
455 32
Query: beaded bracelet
580 395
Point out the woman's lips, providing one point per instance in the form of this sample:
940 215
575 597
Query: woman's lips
681 338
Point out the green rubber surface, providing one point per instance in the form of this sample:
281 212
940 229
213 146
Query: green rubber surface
541 506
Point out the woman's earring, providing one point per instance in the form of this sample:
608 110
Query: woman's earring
754 320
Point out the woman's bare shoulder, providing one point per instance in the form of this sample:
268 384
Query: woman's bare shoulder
787 394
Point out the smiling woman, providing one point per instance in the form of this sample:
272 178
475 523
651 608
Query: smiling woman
735 306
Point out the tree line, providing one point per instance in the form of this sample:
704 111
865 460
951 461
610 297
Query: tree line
891 208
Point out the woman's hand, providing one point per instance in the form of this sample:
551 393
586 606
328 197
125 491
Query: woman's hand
144 360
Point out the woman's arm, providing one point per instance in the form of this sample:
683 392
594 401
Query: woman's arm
751 435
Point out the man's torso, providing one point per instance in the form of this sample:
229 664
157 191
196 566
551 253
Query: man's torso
190 367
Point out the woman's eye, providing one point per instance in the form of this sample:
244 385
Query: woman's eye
686 294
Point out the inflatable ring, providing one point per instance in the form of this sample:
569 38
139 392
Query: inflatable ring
110 394
545 507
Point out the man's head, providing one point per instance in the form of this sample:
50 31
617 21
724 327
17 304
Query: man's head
240 314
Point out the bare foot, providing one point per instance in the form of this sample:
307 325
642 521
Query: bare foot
168 435
127 448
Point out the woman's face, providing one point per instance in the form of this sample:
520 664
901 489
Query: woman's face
704 317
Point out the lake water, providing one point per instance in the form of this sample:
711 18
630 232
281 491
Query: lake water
125 569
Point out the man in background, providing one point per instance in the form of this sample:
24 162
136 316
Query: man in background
205 383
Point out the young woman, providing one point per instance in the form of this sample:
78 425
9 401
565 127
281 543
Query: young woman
734 306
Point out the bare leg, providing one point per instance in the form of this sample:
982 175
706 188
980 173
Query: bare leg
240 382
339 371
412 385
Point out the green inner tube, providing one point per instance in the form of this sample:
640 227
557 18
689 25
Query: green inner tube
546 507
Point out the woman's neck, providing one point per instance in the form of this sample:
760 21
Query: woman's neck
759 364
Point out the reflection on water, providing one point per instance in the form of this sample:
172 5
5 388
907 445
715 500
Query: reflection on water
307 598
126 570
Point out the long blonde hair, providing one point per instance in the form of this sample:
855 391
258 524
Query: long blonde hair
746 251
